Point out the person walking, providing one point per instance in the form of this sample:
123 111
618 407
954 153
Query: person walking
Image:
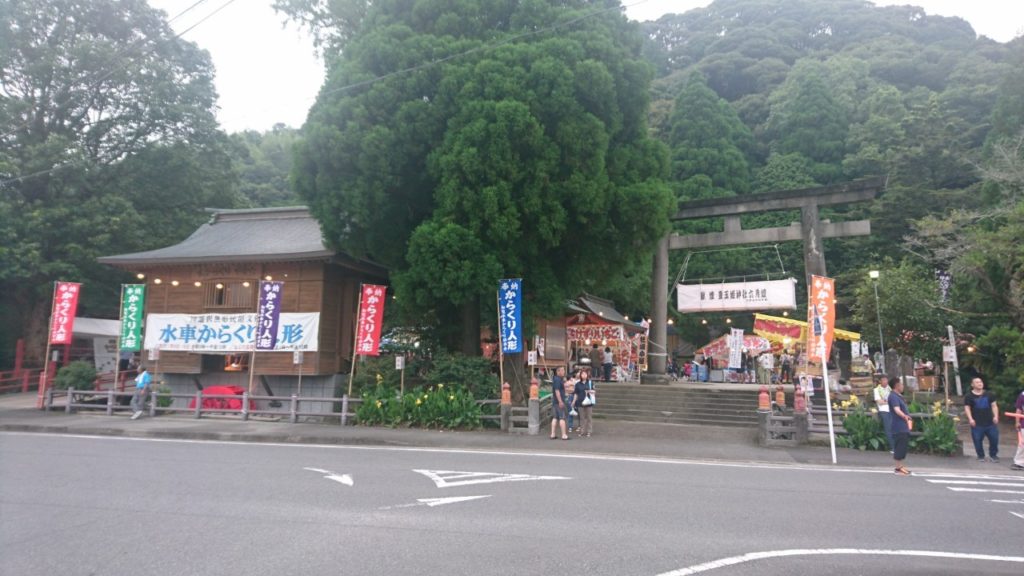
881 394
766 367
142 382
558 405
983 415
902 423
1018 458
585 392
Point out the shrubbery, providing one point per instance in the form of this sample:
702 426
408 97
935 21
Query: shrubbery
80 375
438 406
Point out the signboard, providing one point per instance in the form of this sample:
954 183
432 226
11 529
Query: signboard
821 317
531 358
223 333
371 315
133 297
736 348
298 357
268 313
65 304
399 362
737 296
949 354
595 332
510 313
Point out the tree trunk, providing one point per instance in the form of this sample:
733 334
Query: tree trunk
470 344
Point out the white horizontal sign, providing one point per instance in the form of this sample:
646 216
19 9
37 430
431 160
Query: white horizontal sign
223 333
764 295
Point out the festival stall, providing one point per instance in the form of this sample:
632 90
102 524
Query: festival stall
788 333
716 356
596 321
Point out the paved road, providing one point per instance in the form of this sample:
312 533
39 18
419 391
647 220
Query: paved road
119 506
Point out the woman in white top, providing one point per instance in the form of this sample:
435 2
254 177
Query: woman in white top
882 401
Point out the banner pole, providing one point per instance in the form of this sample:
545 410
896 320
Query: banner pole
501 347
44 384
120 333
355 338
828 405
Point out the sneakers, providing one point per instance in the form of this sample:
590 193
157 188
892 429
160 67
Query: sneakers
137 414
982 459
901 471
1016 467
994 459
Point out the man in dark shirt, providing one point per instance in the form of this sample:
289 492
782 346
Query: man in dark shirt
983 415
901 425
558 406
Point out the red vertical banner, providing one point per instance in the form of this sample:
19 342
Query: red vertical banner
371 315
65 304
821 317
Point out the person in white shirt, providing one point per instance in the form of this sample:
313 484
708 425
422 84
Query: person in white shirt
767 363
882 401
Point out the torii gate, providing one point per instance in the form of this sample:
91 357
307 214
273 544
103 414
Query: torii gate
811 229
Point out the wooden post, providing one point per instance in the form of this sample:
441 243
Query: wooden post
355 344
44 379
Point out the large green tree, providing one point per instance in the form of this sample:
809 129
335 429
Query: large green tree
458 142
109 144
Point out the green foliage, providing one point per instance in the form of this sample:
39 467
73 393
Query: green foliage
164 401
470 372
863 432
999 356
514 160
264 164
80 375
441 407
707 139
938 434
109 145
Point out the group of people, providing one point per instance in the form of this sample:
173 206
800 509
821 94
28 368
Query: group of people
980 408
601 362
572 398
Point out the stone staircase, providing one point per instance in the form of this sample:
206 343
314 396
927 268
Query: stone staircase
676 404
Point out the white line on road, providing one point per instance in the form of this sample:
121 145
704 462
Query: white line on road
1007 501
956 489
450 478
979 483
1018 515
340 478
967 476
435 502
754 556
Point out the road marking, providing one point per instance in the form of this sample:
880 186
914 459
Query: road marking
978 483
1007 477
450 478
1018 515
753 556
1007 501
957 489
743 465
340 478
435 502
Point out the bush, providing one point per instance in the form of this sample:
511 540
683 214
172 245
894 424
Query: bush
442 407
938 433
864 431
164 401
472 373
80 375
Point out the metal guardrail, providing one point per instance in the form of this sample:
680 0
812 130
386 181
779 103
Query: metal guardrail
87 399
74 401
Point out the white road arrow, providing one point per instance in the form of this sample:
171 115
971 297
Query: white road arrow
436 501
451 478
340 478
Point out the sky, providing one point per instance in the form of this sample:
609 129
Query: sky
267 72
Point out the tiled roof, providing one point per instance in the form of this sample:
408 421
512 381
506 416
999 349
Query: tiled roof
262 234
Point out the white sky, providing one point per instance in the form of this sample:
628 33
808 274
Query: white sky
266 73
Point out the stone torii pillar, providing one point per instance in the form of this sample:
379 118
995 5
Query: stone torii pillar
811 230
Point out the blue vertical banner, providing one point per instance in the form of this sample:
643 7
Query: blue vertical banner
268 315
510 311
